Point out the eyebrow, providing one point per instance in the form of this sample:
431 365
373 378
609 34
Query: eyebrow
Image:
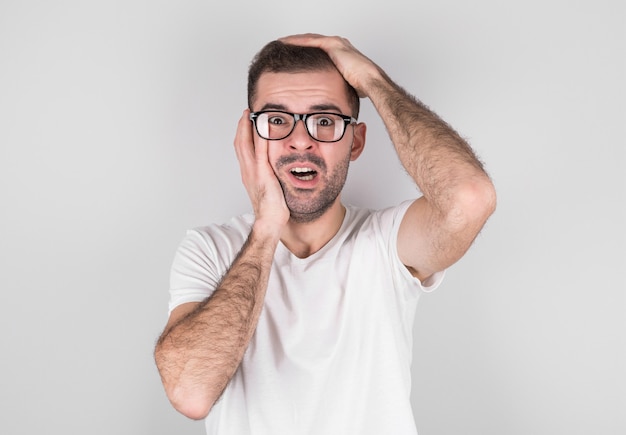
314 108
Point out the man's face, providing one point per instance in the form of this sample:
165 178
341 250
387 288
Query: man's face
311 173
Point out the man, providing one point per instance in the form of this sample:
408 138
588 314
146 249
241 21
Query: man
297 319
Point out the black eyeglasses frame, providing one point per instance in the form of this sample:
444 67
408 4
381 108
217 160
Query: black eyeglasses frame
303 116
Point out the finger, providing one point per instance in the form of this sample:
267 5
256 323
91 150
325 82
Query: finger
252 152
244 148
314 40
260 151
302 37
244 144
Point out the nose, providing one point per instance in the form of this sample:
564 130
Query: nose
299 138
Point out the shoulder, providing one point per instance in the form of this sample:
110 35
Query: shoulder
374 238
217 241
237 228
384 221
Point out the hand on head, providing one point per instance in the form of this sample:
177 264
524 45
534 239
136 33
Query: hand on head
354 66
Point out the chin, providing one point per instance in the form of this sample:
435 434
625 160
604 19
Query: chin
308 214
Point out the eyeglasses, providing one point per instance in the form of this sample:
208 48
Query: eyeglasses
321 126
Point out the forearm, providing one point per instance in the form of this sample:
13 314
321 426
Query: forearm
434 155
198 355
458 197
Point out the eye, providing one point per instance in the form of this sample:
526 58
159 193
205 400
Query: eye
324 121
276 119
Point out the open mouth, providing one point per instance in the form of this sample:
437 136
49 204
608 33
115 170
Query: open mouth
304 174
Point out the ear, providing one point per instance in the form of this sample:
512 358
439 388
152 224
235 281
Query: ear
358 141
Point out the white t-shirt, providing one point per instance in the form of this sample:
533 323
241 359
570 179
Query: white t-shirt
332 350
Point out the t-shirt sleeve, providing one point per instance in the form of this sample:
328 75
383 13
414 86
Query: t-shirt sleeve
203 257
194 274
390 222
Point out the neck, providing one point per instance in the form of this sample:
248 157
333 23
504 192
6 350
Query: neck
304 239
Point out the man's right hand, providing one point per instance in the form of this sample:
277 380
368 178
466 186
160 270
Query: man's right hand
259 179
204 342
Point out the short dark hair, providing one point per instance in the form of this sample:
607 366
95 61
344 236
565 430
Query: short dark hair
279 57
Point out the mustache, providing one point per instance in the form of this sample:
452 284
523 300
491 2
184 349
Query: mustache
292 158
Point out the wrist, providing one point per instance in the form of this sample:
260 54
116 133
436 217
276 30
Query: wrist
267 231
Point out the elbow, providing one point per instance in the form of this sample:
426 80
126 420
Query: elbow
192 410
473 203
186 396
193 406
485 198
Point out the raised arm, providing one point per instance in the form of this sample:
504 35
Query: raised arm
458 196
203 343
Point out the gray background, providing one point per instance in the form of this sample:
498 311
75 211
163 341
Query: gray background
116 127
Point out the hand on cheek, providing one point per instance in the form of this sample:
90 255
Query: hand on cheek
258 177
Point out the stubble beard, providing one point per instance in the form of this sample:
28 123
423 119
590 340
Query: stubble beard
306 206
